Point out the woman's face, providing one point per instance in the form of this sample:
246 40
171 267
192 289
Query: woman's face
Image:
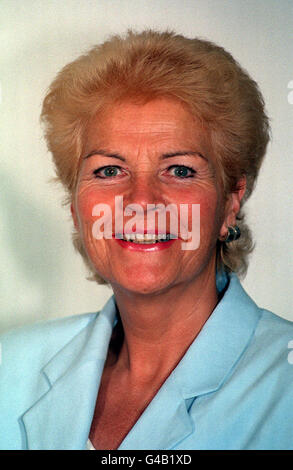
154 153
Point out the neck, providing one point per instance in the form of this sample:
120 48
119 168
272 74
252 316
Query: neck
158 329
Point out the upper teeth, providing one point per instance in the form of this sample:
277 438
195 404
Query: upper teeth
145 238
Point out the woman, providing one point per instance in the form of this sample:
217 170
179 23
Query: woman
180 357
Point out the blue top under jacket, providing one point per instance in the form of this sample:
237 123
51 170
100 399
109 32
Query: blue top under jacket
233 388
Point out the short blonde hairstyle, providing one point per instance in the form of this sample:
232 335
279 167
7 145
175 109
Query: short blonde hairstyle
153 64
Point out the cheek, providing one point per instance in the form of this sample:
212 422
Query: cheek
208 209
210 213
86 200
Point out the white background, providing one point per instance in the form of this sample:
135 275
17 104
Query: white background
41 275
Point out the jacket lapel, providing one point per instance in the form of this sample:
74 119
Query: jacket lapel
61 418
166 422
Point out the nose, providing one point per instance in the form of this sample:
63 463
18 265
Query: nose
143 191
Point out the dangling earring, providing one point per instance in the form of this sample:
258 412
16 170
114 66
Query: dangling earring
233 234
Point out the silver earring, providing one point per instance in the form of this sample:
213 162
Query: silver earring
233 234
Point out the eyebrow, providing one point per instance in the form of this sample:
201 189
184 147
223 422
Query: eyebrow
105 154
163 157
182 153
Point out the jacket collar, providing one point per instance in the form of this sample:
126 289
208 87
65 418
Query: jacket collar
61 418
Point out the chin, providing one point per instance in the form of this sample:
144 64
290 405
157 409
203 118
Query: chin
142 283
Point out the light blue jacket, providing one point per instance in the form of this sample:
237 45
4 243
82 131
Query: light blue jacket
233 389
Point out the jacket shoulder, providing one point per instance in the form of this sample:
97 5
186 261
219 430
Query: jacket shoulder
268 351
38 342
274 325
25 352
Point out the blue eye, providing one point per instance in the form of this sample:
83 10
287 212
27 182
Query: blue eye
182 171
106 171
111 171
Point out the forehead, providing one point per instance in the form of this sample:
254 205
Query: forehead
161 122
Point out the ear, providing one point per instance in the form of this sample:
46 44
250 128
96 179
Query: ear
233 207
74 216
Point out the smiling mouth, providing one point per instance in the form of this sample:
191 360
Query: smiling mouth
147 239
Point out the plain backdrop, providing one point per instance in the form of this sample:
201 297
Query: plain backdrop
41 275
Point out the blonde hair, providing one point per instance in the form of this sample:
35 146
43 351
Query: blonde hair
154 64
